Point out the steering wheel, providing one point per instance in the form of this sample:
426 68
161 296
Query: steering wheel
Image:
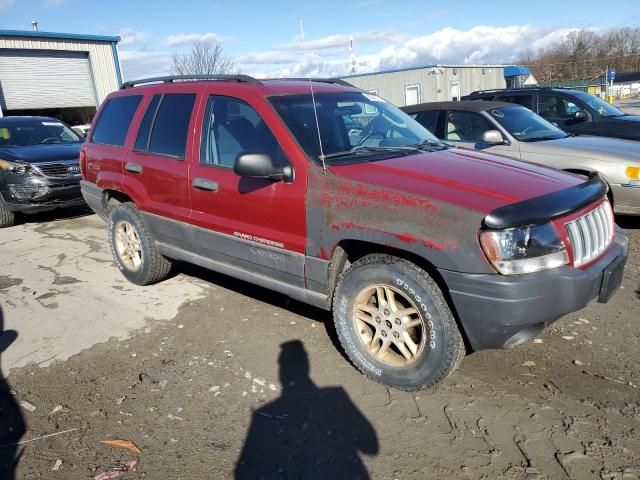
526 130
50 140
369 136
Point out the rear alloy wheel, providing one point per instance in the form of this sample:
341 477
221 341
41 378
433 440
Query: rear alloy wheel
394 323
7 217
133 247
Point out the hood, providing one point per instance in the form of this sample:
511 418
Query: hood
603 148
41 153
473 180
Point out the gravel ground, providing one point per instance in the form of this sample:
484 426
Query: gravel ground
215 378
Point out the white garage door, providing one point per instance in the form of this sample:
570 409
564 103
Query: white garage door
35 79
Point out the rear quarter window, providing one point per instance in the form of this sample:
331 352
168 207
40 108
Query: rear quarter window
113 123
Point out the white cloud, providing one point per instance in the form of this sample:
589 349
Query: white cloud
6 4
341 41
142 64
189 38
480 44
376 50
129 36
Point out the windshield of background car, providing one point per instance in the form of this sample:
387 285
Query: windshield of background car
603 108
349 121
22 134
525 125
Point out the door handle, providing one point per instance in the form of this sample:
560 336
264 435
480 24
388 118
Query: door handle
133 167
202 184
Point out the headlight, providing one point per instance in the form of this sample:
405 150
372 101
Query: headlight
633 172
19 168
524 249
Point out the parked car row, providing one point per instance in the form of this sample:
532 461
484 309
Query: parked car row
513 130
339 199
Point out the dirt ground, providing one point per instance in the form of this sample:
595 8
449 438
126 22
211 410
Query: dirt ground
214 378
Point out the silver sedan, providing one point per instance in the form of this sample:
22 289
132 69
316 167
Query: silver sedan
516 131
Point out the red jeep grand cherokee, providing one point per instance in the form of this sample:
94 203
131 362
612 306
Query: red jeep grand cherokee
336 198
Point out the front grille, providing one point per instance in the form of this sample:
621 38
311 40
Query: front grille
591 234
59 170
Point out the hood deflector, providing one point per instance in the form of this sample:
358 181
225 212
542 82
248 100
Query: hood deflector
541 209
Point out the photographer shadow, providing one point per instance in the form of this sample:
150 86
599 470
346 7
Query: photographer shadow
308 432
12 424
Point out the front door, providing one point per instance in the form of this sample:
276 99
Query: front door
252 223
466 129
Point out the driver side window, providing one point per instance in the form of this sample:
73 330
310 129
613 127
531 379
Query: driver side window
231 127
466 127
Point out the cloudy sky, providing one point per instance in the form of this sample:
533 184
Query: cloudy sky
264 37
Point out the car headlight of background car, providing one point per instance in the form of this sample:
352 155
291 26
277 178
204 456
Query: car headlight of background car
524 249
25 183
18 168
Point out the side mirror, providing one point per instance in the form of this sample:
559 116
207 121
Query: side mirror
580 116
492 136
261 165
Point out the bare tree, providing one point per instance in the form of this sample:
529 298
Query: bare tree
205 58
586 54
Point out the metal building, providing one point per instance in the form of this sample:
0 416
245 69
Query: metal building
63 75
433 83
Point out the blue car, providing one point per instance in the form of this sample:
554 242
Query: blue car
39 166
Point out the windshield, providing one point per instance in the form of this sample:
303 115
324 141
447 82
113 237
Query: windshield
22 134
603 108
352 124
525 125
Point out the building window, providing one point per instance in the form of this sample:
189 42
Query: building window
411 95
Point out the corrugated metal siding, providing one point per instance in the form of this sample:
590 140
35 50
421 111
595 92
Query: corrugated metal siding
435 83
38 79
101 61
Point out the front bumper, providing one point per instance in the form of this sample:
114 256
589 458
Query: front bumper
626 199
499 311
37 194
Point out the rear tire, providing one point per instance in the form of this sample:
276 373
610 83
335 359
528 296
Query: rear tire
395 325
7 217
133 247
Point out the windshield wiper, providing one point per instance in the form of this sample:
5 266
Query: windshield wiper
363 148
430 143
542 139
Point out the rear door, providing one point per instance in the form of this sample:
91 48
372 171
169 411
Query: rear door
255 224
156 167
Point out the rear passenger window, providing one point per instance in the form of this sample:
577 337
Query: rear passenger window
428 120
114 120
524 100
170 125
142 140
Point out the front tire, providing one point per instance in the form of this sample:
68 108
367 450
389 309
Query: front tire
395 325
7 217
133 247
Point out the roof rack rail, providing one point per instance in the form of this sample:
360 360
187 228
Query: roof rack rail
513 89
179 78
336 81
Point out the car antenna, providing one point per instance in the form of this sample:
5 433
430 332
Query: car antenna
315 111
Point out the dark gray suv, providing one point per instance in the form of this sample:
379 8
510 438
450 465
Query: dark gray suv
573 111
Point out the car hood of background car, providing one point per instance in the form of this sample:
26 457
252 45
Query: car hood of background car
41 153
472 180
602 148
